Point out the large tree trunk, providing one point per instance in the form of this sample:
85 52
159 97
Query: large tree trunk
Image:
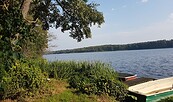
25 7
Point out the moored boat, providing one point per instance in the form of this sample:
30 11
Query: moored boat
126 76
152 91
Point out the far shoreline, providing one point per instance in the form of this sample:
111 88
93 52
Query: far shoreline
52 52
159 44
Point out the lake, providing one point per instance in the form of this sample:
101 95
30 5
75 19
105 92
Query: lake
153 63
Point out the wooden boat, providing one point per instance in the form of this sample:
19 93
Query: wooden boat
138 80
152 91
126 77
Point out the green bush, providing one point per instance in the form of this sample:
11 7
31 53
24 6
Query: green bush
62 69
58 69
97 78
22 79
88 77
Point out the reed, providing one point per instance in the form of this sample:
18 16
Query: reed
87 77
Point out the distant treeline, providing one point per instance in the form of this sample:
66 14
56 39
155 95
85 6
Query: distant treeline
135 46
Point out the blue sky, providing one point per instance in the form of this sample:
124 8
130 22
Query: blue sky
126 21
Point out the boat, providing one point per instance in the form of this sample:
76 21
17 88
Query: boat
132 79
126 76
153 90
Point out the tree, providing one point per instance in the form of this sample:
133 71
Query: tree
74 15
24 25
24 16
23 33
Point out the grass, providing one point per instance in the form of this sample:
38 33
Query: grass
61 93
68 96
93 80
65 69
88 77
58 91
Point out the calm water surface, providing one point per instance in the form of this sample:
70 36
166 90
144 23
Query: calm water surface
157 63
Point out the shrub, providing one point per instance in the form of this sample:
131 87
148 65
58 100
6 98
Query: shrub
58 69
22 79
88 77
98 78
62 69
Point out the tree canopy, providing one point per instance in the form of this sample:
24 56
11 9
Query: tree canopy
24 25
24 37
74 15
22 21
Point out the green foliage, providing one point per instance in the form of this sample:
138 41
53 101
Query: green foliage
69 96
17 36
22 36
12 29
34 43
74 15
97 78
61 93
169 99
58 69
17 78
22 79
88 77
21 30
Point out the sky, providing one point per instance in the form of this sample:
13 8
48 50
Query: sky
126 21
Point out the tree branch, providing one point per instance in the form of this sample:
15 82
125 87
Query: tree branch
58 2
25 7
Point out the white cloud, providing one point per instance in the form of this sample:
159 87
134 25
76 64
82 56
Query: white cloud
157 31
144 1
113 9
124 6
171 16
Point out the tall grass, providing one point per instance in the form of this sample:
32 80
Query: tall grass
87 77
65 69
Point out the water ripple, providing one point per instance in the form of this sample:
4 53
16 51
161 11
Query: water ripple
157 63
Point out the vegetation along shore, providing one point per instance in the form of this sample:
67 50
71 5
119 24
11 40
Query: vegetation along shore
134 46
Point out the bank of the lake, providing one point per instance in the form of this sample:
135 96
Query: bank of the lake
134 46
64 81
